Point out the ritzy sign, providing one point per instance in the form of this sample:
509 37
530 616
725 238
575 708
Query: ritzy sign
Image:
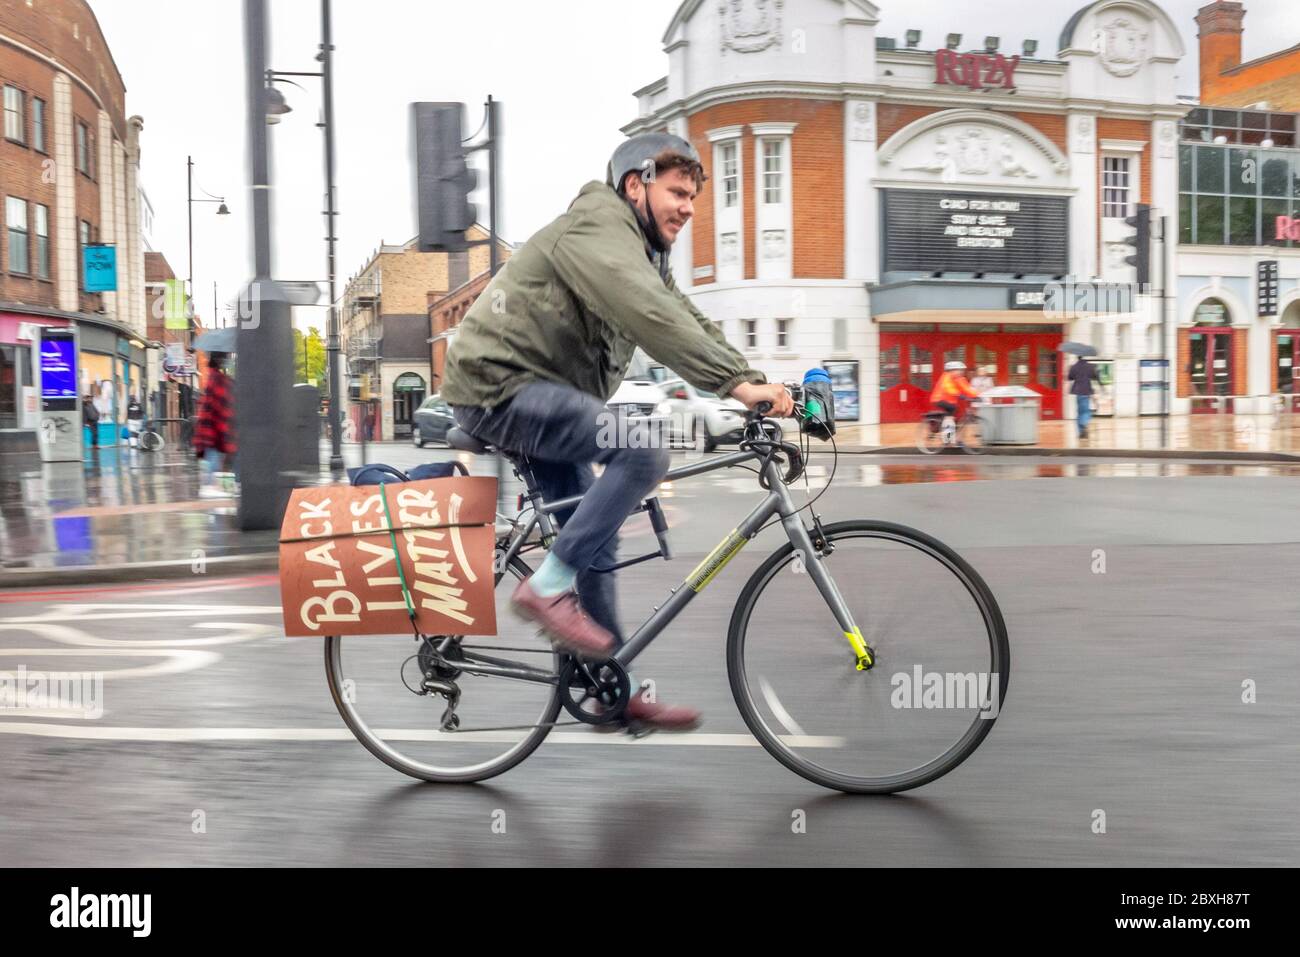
978 71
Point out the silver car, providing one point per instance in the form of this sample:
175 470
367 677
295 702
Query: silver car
700 420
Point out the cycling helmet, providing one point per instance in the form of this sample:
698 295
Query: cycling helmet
638 153
955 366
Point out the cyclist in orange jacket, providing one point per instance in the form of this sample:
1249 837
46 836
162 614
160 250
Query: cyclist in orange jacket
952 388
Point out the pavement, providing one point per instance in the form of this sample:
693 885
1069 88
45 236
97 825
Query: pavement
127 515
1274 437
1141 597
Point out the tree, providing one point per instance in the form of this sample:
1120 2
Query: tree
309 357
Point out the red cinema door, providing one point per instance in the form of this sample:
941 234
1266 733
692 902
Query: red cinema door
912 361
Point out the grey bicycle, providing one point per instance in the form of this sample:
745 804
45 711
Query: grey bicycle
866 656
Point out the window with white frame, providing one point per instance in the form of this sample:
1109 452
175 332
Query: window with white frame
783 334
773 170
751 334
1116 187
83 240
15 124
728 210
83 148
42 230
729 154
16 225
773 216
38 125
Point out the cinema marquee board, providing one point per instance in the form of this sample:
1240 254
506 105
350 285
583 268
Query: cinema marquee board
940 230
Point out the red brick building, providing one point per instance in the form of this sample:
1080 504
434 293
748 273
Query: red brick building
69 160
446 310
1273 79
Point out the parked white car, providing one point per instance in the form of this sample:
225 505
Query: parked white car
639 399
700 420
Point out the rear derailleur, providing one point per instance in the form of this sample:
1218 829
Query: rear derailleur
438 677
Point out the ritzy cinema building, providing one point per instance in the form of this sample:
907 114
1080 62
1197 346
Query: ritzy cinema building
881 205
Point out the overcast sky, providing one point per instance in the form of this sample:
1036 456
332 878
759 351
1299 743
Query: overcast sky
564 71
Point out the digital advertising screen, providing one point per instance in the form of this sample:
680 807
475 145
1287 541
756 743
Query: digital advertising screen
58 368
930 230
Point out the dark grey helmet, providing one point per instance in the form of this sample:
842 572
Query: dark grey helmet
639 152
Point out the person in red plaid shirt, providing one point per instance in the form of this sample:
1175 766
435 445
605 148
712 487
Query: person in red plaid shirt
214 432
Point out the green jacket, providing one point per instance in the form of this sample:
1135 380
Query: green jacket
571 306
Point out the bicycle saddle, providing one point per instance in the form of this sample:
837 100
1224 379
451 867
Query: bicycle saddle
458 438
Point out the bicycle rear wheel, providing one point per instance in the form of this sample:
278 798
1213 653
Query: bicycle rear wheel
370 678
928 440
942 661
150 441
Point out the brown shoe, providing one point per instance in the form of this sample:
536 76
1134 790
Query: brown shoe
565 623
661 717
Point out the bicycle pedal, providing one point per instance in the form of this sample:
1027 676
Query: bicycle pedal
638 729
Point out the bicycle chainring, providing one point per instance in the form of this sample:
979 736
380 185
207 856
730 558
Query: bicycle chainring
594 691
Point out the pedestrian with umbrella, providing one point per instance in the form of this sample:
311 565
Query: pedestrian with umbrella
1082 375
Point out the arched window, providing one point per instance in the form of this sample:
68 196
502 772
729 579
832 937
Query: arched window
1212 312
408 393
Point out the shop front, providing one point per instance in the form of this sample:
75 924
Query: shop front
912 357
1286 353
967 270
112 370
1212 355
1001 331
18 400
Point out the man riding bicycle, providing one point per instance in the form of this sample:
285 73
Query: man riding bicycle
952 391
545 346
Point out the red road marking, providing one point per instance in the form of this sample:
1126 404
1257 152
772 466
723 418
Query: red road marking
250 581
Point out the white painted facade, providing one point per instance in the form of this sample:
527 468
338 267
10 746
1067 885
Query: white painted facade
1116 61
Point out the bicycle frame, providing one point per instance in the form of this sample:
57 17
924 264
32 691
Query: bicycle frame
777 503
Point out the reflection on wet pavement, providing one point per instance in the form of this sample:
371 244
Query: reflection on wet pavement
118 506
124 506
851 471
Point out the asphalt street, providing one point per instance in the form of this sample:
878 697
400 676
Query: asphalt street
1141 598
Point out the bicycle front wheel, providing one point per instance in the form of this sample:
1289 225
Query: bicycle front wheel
942 661
150 441
971 435
501 720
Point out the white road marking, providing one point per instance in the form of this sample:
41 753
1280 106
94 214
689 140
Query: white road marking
98 612
230 632
178 660
778 709
196 735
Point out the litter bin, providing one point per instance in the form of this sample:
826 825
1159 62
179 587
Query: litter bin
1010 414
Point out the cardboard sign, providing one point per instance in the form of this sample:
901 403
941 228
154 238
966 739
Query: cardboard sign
338 570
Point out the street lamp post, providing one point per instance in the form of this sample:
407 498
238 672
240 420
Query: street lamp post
278 107
222 210
264 386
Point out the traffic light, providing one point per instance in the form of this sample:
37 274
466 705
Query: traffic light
443 180
1141 242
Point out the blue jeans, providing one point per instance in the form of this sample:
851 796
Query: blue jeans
1084 403
561 432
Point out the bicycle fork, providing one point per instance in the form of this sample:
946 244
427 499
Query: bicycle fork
815 567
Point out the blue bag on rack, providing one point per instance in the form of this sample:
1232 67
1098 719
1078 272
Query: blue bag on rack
376 472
